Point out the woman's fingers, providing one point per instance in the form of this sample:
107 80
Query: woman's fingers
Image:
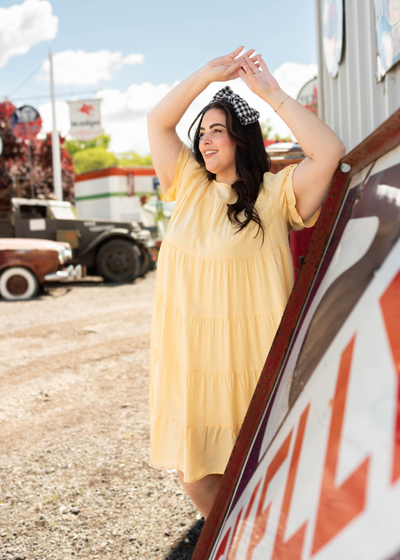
242 74
234 68
248 53
263 65
236 52
251 64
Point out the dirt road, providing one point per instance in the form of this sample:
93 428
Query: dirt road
74 473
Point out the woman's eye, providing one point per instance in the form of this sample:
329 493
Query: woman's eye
217 130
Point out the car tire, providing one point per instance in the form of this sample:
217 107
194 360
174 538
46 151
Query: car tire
145 260
152 264
18 283
118 261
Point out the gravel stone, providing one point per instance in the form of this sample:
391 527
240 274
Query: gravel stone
74 474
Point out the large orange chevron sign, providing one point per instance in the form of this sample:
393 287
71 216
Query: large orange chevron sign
315 472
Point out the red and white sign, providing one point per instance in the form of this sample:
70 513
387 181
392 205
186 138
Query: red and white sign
26 122
85 119
321 476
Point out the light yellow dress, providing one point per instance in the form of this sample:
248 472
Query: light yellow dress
218 301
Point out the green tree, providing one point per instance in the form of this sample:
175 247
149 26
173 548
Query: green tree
132 159
92 159
266 129
93 154
75 146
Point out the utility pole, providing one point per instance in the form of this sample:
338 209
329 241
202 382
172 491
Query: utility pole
55 144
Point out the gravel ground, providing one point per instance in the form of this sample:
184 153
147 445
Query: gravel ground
74 475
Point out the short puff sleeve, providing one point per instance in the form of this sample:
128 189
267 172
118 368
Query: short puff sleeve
186 171
280 188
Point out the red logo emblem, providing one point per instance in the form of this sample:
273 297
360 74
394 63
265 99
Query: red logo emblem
87 109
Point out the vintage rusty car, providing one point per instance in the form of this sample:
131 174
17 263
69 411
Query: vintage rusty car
26 264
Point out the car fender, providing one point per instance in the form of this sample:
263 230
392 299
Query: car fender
36 260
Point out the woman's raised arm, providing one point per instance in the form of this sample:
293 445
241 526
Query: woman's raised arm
312 177
162 120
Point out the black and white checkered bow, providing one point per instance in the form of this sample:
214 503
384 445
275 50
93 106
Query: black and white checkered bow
245 113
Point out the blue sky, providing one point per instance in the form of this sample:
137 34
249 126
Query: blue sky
124 45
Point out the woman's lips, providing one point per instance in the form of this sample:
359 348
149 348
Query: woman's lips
208 156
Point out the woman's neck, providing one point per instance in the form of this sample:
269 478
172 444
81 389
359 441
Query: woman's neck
228 178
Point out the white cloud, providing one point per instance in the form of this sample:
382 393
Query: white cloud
62 117
80 68
133 59
24 25
124 113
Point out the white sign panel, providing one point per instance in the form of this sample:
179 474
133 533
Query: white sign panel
327 481
332 17
38 224
85 119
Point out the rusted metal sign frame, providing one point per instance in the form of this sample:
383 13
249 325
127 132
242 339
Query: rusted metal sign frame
382 140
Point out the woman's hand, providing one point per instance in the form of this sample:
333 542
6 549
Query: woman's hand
227 67
257 77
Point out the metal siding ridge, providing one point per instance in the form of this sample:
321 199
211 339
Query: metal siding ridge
359 54
371 49
320 59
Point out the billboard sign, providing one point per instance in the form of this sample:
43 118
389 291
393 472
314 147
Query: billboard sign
85 119
315 471
332 31
387 18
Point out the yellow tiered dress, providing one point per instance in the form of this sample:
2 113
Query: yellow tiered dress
218 301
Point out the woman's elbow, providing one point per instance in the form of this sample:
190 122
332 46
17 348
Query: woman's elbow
340 151
337 154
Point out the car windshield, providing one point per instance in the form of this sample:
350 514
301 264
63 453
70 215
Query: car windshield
62 212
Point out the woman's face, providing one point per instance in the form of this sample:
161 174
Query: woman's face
216 147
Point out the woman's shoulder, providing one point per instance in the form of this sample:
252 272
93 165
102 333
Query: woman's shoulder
275 183
280 176
186 171
189 166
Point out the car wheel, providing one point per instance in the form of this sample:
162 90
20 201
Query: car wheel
145 260
118 261
18 283
152 263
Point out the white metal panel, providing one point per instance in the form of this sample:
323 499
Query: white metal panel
144 184
354 103
95 209
101 185
125 209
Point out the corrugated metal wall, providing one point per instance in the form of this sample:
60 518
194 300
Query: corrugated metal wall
354 103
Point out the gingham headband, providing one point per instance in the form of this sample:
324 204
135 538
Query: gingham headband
245 113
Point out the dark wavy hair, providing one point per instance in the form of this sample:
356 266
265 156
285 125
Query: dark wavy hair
251 161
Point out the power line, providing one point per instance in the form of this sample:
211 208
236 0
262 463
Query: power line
47 96
25 81
33 96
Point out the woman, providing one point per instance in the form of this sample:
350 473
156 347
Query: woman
221 287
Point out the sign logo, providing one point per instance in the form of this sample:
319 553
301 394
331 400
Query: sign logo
87 109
